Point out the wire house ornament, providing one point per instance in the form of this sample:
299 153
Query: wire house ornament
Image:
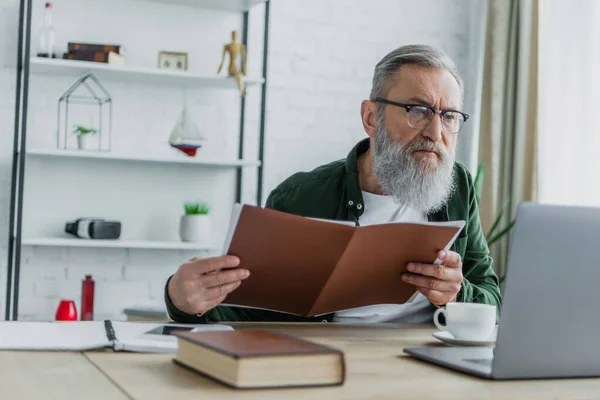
86 103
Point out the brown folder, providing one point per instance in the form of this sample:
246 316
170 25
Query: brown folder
311 267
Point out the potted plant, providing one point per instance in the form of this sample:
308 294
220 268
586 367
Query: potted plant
83 134
495 233
195 223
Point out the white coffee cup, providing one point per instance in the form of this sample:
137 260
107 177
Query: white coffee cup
467 321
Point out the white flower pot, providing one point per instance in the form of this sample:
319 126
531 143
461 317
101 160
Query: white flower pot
83 142
195 228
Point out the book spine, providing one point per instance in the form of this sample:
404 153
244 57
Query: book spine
74 47
87 56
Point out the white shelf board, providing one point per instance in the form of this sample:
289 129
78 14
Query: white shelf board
136 74
117 243
226 5
82 154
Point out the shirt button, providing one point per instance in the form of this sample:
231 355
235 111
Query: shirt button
359 206
350 203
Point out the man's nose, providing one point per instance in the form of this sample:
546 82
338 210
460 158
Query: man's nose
433 130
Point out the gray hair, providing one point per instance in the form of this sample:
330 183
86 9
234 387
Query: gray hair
424 55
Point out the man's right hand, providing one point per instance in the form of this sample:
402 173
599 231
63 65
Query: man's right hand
201 284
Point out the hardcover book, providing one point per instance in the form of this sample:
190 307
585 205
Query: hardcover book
255 358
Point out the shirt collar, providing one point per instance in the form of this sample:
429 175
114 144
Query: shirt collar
354 199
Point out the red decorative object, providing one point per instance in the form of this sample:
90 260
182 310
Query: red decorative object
190 150
87 299
66 311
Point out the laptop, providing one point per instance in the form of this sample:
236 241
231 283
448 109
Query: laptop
550 317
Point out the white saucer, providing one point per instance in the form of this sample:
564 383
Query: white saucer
450 340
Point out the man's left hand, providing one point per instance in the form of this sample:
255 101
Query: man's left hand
439 283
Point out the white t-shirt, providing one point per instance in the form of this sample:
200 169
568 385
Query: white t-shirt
380 210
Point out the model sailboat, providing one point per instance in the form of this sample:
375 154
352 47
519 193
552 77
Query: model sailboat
185 135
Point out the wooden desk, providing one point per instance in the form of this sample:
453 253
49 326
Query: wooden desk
45 375
376 369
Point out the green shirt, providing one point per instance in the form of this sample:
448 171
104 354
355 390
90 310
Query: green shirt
332 192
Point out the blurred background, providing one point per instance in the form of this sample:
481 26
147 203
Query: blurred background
99 101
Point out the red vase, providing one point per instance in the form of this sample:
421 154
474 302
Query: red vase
66 311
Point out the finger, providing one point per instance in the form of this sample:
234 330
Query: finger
220 291
206 265
209 305
425 282
434 296
439 271
224 277
450 258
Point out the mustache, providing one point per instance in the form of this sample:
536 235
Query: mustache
420 144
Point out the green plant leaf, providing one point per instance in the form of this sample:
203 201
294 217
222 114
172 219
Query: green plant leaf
498 219
478 183
196 208
82 130
501 233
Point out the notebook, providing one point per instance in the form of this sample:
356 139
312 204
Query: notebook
309 267
256 358
90 335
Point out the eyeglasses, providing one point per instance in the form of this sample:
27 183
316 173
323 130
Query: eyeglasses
419 116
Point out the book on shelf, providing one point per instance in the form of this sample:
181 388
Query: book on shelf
99 57
310 267
74 47
95 52
255 358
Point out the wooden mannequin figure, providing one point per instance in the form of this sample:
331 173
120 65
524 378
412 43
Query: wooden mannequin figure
234 49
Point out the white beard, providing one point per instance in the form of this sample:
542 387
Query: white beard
426 184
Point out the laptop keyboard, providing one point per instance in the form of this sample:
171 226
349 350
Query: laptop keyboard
487 362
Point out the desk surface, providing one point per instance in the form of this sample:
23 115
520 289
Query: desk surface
53 375
376 369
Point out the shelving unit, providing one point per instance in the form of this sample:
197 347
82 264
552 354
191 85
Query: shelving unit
225 5
136 74
47 161
124 244
78 154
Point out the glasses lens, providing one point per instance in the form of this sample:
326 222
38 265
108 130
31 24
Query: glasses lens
419 117
453 121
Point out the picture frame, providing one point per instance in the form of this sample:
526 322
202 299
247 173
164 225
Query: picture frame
173 60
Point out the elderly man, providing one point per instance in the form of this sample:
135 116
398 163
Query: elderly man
404 172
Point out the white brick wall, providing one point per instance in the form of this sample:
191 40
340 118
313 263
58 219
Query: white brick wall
331 47
321 58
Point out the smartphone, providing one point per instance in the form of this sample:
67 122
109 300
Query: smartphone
168 329
165 332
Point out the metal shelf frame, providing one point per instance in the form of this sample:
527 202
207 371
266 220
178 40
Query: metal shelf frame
20 142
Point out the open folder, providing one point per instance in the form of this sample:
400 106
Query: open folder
310 267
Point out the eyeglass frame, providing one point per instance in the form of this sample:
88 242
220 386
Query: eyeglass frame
441 113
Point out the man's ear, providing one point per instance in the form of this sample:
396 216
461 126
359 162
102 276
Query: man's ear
368 113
